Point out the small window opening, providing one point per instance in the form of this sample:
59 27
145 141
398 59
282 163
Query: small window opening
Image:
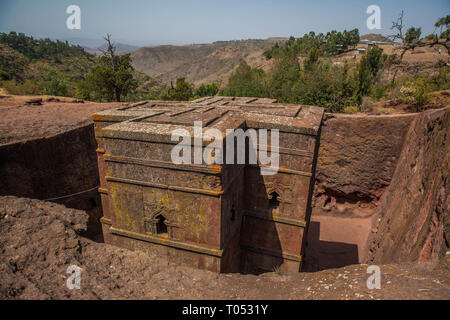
274 201
327 201
233 213
161 227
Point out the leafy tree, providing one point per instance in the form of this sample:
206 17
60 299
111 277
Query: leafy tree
57 84
313 57
331 87
365 79
206 90
246 82
111 78
330 44
368 69
441 23
183 91
375 60
413 35
43 48
84 90
285 74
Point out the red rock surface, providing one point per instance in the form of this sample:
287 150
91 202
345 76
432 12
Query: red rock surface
20 122
393 165
357 158
414 218
40 240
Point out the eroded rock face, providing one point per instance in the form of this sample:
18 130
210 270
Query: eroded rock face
357 158
414 217
53 168
48 152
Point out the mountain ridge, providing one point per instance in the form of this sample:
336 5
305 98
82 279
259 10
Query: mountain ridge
201 63
205 63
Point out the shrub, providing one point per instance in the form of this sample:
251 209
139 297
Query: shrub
56 84
352 109
420 92
28 87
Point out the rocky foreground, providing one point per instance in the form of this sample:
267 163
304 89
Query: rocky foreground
40 240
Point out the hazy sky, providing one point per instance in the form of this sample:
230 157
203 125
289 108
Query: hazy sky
152 22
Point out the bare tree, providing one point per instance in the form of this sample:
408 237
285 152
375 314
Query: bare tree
398 25
414 34
110 50
433 41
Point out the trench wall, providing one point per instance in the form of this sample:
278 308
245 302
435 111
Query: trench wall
413 221
53 167
381 191
357 158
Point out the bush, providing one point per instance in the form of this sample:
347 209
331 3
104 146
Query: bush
56 84
441 81
420 92
28 87
206 90
83 90
352 109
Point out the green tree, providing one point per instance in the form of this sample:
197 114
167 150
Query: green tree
313 57
83 90
183 91
111 78
246 82
206 90
57 84
374 58
413 35
364 79
368 69
285 74
441 23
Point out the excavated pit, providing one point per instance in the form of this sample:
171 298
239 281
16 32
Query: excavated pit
380 195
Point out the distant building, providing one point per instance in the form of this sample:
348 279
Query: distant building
361 50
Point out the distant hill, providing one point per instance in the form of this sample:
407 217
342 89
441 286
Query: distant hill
201 63
121 48
42 66
29 65
85 42
375 37
95 46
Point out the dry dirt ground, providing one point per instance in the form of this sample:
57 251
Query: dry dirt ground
40 240
19 122
437 100
423 56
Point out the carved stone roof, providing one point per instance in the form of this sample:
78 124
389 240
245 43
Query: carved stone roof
156 120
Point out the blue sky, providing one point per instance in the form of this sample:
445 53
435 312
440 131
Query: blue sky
154 22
